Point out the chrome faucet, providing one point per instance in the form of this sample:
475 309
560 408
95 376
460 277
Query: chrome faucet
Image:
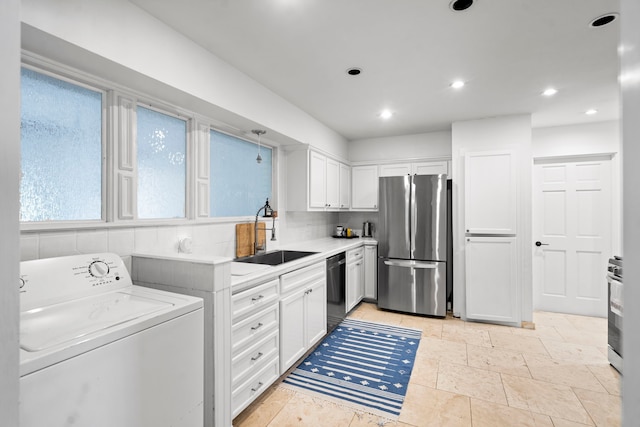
257 248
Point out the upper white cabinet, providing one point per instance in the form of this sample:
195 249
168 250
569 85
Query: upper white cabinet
430 168
490 192
398 169
345 186
415 168
315 182
364 188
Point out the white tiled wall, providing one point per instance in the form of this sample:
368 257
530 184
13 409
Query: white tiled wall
217 239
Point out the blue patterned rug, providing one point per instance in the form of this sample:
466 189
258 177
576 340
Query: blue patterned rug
362 365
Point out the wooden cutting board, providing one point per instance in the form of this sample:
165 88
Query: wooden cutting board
244 238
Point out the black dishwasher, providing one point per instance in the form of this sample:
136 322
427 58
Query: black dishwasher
336 305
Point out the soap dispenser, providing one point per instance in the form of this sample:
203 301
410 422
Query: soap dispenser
268 211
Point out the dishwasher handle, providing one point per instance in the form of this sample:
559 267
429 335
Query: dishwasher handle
411 264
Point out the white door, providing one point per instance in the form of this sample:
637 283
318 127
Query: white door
572 223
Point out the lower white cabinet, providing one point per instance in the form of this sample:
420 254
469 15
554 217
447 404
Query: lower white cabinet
370 271
355 277
254 343
491 279
303 312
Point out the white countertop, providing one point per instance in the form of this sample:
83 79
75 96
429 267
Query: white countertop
325 247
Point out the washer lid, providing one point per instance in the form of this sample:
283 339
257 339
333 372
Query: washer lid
45 327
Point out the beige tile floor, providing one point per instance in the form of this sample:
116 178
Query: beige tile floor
475 374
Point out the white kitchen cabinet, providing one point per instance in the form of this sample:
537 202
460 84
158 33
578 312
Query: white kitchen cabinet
332 192
345 186
370 271
414 168
397 169
355 277
491 279
303 312
314 181
364 188
254 342
430 168
490 192
317 180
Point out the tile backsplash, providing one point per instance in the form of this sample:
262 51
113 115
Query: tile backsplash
214 238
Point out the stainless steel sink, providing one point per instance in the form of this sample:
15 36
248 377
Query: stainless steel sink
274 257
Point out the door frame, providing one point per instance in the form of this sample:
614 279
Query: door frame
616 197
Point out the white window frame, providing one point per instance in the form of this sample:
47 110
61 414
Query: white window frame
64 75
116 138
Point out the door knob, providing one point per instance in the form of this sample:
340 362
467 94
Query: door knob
539 243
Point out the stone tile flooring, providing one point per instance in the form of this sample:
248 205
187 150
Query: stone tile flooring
475 374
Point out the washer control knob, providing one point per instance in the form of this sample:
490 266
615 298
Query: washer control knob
98 269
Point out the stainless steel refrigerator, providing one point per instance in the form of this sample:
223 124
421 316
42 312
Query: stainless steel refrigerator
412 244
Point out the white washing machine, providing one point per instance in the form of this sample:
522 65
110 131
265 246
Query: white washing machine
97 351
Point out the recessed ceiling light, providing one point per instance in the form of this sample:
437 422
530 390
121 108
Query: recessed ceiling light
550 91
460 5
354 71
457 84
591 112
386 114
603 20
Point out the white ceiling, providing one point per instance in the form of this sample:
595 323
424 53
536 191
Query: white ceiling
507 51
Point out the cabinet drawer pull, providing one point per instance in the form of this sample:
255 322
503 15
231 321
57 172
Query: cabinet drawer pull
255 328
258 298
256 357
257 387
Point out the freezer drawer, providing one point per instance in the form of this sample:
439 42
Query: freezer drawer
412 286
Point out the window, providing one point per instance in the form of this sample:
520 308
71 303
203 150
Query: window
162 146
239 185
61 132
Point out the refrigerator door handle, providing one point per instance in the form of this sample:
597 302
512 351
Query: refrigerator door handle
413 217
408 182
410 264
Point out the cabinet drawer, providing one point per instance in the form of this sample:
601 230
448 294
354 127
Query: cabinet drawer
302 277
355 254
247 392
254 299
247 362
254 327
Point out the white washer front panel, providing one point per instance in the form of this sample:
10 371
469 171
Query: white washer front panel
153 378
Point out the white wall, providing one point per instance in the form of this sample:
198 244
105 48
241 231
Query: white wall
573 140
9 207
120 32
630 82
424 145
509 132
